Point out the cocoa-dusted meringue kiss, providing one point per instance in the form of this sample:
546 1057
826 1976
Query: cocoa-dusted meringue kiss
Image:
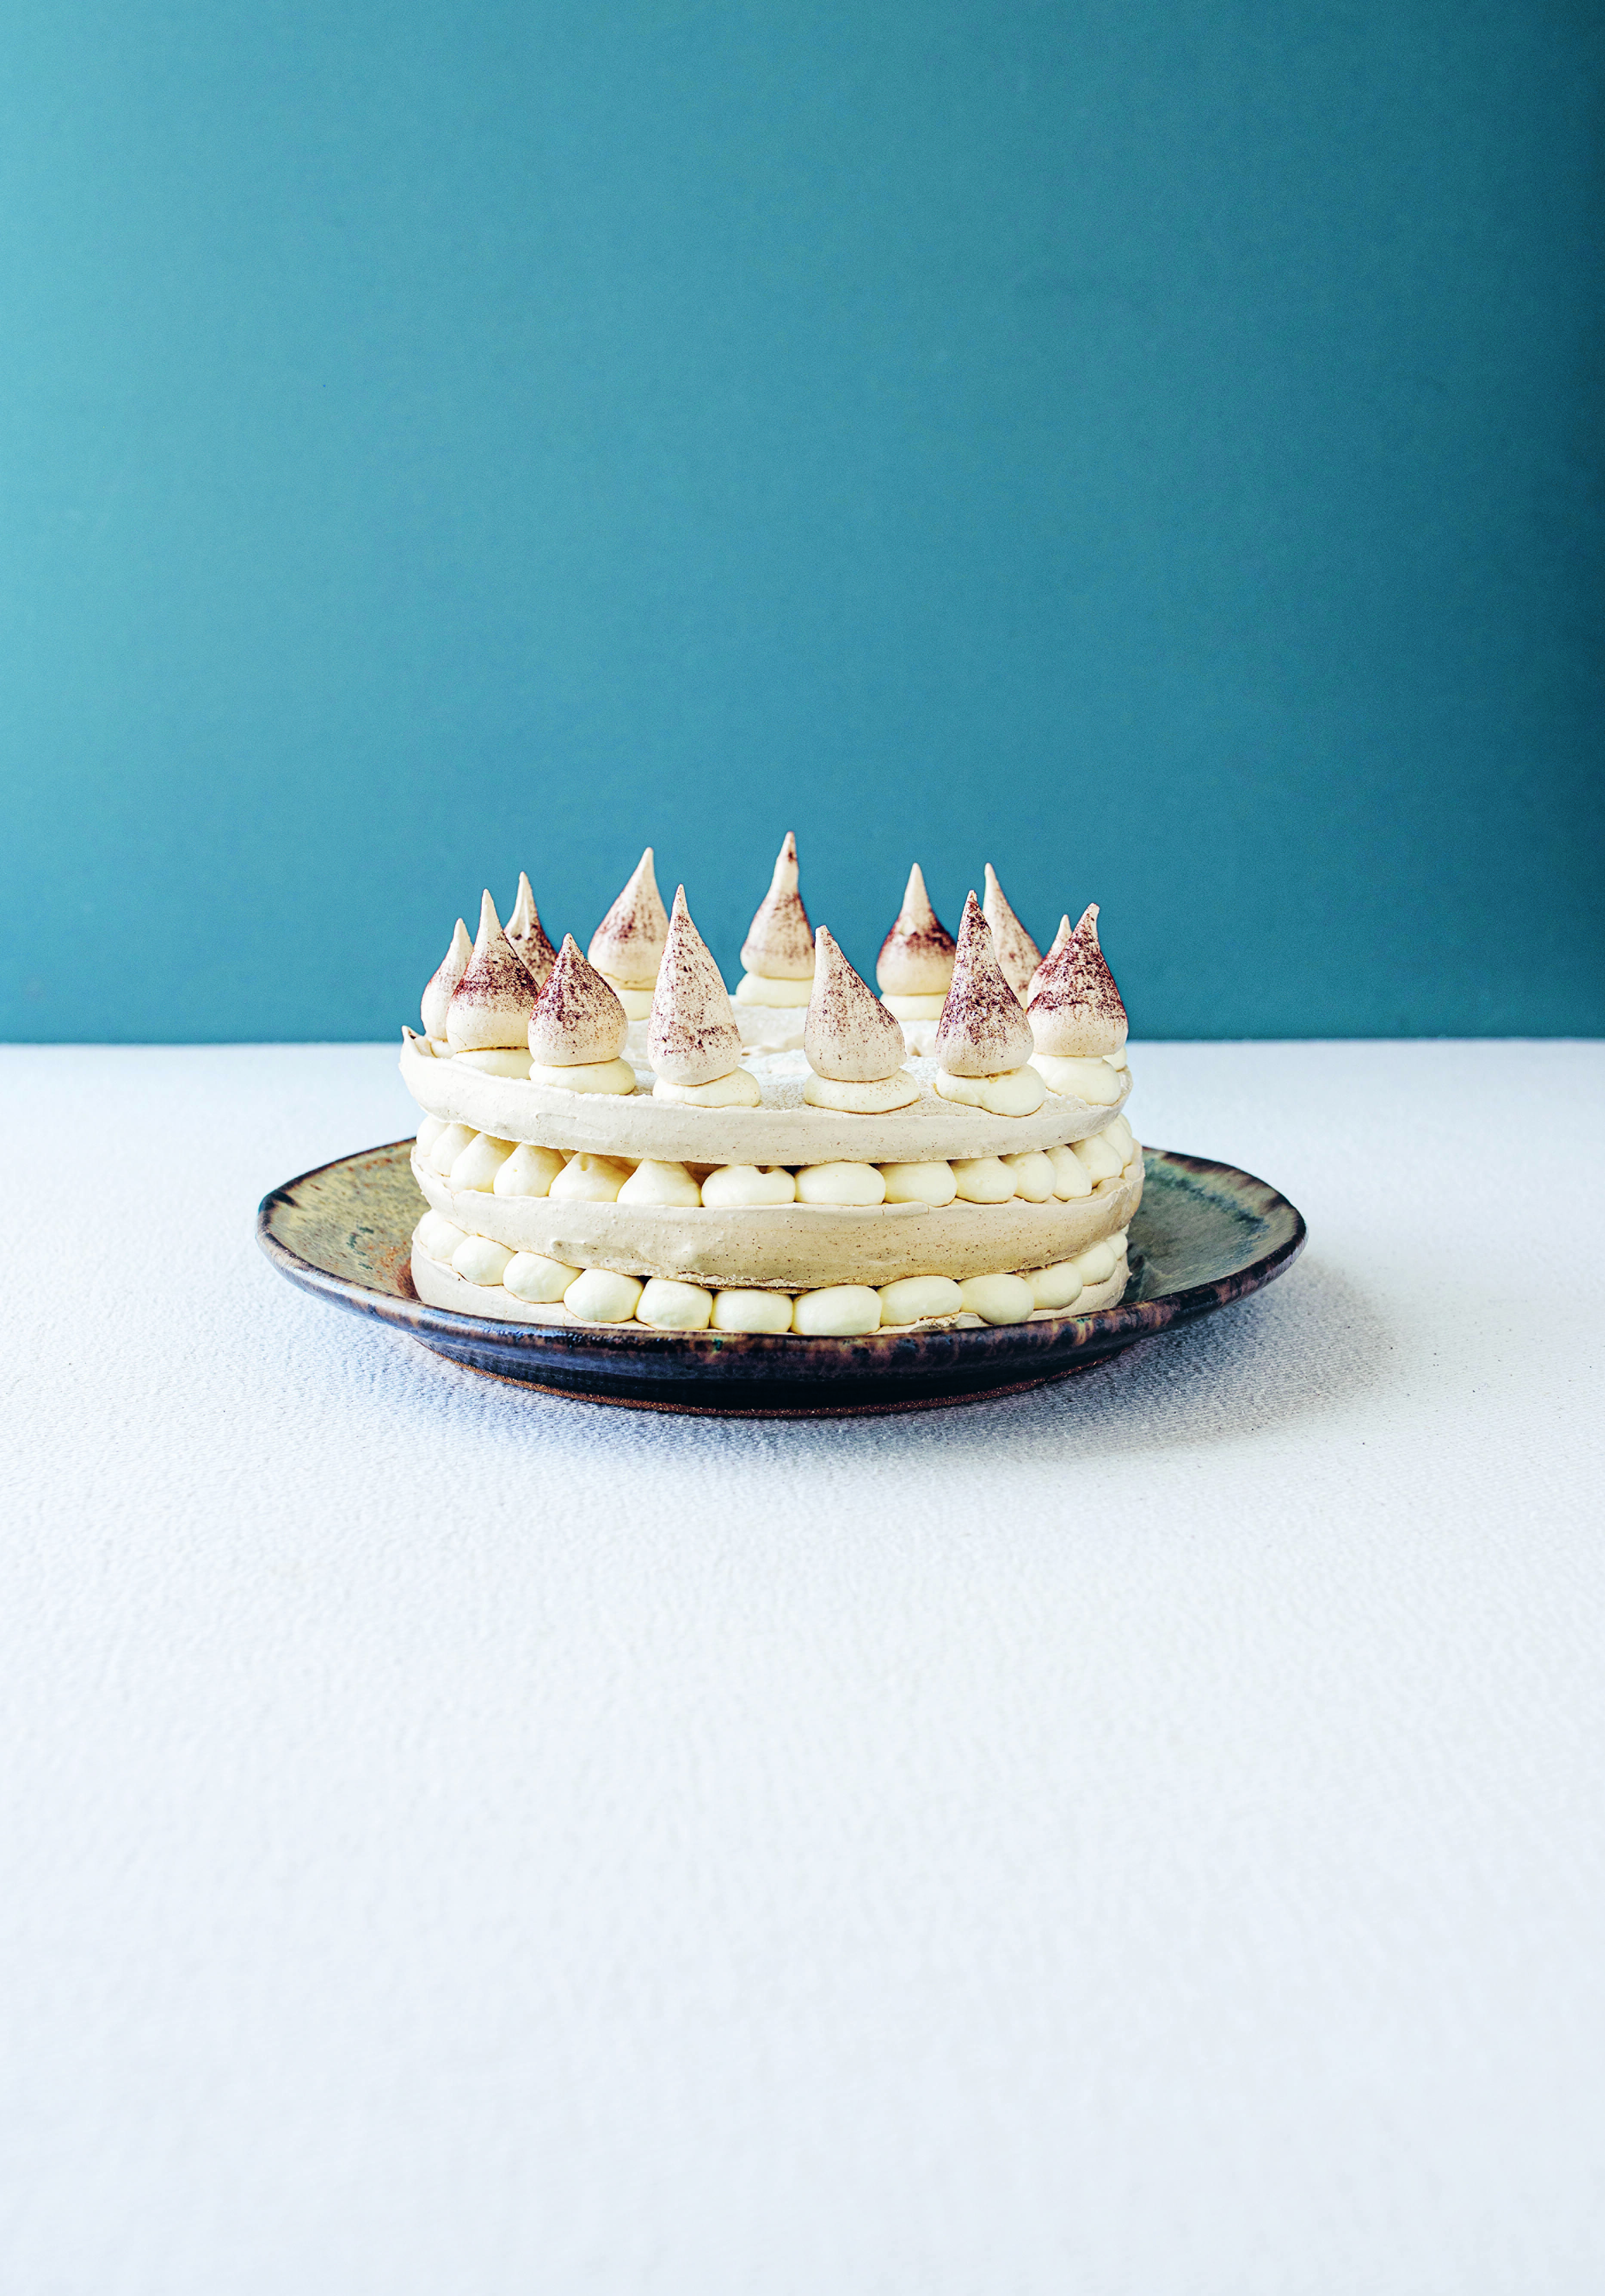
1017 953
778 952
527 936
855 1046
1057 951
490 1006
984 1038
1076 1017
438 995
576 1030
915 963
693 1043
626 949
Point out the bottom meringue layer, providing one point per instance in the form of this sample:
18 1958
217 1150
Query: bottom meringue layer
474 1284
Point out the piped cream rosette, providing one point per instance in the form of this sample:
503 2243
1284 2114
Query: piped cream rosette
480 1278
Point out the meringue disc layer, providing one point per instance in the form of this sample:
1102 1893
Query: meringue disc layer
792 1247
783 1130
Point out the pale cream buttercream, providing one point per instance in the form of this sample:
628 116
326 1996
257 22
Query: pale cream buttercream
590 1180
598 1295
917 1298
838 1311
530 1276
529 1171
655 1183
998 1298
841 1183
672 1307
929 1182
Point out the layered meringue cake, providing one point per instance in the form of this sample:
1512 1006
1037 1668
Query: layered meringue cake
614 1137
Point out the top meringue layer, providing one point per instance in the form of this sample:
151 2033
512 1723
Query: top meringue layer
780 942
693 1037
849 1036
438 997
1017 953
527 936
628 944
916 957
1076 1010
983 1030
577 1020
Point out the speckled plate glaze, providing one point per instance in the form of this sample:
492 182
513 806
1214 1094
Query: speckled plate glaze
1205 1234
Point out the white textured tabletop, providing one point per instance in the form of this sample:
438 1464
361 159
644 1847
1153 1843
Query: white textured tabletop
1142 1836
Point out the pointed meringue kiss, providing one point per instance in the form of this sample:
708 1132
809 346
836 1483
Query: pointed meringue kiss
915 963
984 1038
438 995
626 949
1017 953
577 1021
491 1004
1076 1013
1052 957
527 936
778 951
694 1043
855 1046
984 1031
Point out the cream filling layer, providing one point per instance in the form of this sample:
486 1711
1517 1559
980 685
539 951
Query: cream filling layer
794 1246
527 1291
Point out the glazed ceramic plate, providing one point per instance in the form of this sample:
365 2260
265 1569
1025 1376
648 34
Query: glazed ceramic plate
1205 1234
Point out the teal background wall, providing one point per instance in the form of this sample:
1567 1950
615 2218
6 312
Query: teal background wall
1154 448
